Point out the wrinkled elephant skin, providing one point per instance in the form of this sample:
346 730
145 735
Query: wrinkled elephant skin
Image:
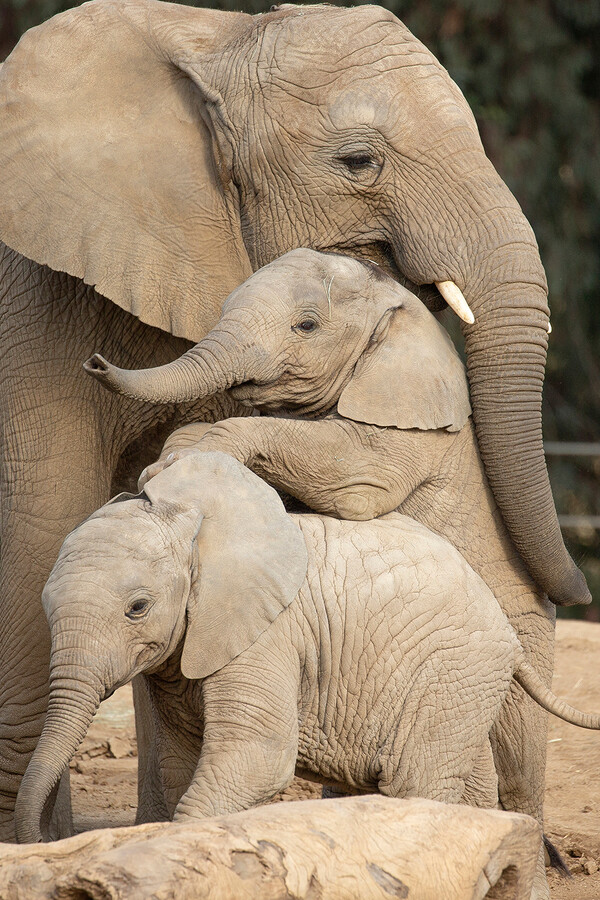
160 153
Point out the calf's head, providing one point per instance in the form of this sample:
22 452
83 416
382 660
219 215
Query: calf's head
203 560
312 330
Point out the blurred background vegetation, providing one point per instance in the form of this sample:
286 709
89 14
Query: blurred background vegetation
531 72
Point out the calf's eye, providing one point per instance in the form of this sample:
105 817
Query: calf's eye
138 608
306 326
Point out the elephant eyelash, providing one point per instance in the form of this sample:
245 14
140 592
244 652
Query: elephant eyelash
357 161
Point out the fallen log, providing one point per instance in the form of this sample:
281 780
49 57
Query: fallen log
371 847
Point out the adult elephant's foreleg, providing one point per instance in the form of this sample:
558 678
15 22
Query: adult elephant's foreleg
53 474
519 737
519 741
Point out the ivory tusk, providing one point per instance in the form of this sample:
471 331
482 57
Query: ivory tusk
549 328
455 299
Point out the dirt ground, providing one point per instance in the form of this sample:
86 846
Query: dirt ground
104 771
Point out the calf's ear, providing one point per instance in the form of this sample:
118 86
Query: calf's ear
251 556
409 376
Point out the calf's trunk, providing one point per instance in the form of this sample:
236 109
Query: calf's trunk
73 702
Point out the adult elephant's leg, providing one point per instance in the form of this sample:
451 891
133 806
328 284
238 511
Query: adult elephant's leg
519 737
54 469
60 439
48 486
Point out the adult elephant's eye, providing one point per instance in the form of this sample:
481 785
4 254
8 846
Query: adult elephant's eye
361 165
306 326
138 608
357 161
360 161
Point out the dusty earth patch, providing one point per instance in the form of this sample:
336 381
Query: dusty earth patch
103 774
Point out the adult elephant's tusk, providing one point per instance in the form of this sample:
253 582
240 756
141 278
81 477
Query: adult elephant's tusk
549 328
455 299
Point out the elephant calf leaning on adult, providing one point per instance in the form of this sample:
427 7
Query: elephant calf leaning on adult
362 653
325 336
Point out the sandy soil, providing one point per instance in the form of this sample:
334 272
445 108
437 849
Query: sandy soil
104 771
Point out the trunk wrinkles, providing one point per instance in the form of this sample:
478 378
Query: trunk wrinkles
71 708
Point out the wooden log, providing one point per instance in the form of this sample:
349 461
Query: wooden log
372 847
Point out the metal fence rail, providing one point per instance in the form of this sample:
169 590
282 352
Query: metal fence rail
562 448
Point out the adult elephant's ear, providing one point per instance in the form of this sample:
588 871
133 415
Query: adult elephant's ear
410 375
251 556
108 169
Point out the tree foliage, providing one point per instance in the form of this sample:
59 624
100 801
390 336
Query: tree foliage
531 73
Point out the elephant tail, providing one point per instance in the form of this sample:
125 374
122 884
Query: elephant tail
532 684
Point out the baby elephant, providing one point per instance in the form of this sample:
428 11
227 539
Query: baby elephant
368 655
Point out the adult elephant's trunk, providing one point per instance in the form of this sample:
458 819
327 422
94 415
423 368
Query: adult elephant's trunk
506 353
483 242
75 695
505 285
217 363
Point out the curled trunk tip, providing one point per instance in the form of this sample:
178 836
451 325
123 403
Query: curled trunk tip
100 369
67 721
207 368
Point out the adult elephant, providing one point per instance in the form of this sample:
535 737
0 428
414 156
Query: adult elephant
160 153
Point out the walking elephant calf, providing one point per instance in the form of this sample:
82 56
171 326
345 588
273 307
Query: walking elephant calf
366 654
